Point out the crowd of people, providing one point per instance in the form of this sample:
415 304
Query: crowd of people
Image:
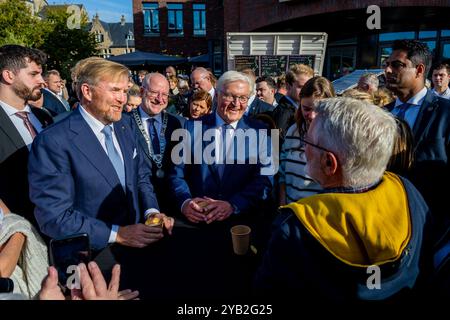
359 181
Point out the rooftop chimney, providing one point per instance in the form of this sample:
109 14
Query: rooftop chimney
122 20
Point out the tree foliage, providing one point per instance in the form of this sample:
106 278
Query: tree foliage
64 44
19 26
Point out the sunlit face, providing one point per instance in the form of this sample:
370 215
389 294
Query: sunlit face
264 92
230 107
108 98
155 95
132 103
400 71
440 78
296 87
198 108
28 82
54 83
308 109
172 85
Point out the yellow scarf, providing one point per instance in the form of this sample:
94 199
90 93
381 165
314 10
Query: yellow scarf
360 229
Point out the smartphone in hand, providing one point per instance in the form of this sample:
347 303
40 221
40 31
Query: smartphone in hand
65 255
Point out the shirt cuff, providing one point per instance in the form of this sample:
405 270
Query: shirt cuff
187 200
113 234
149 212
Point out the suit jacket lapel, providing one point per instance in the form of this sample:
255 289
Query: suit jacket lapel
10 130
126 149
90 147
427 110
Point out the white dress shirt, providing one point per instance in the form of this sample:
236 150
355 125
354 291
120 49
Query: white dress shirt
145 117
18 122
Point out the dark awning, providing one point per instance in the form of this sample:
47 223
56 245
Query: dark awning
139 58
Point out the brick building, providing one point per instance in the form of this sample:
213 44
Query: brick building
350 42
181 27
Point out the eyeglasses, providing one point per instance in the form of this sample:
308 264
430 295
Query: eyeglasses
229 97
154 94
315 145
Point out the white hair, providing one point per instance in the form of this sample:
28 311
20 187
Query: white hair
149 76
360 134
233 76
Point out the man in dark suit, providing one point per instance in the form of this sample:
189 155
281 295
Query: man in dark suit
21 80
53 89
87 173
52 103
255 105
214 195
231 189
429 117
153 127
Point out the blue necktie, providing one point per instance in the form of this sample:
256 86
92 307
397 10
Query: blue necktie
153 135
402 110
113 155
221 167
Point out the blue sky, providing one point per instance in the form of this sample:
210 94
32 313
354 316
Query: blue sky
108 10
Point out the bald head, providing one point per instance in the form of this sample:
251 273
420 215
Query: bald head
201 80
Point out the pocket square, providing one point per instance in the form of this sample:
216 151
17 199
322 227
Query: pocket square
134 153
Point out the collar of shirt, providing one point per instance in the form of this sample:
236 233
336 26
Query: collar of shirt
10 111
250 101
220 122
295 104
145 116
212 92
416 100
56 95
351 189
93 123
444 94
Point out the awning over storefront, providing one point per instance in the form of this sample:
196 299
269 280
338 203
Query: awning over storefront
141 58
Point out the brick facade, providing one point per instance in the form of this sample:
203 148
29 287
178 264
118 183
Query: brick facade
186 45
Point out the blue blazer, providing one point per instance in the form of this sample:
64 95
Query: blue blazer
242 184
75 187
258 106
431 169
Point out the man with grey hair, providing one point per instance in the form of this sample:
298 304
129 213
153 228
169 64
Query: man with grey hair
153 128
226 189
214 196
201 79
365 220
368 83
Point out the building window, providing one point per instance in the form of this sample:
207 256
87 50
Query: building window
199 19
99 38
175 18
396 36
151 18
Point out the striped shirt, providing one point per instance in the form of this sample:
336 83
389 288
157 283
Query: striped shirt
292 168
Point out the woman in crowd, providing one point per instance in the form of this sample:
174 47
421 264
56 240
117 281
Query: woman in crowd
294 183
200 105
